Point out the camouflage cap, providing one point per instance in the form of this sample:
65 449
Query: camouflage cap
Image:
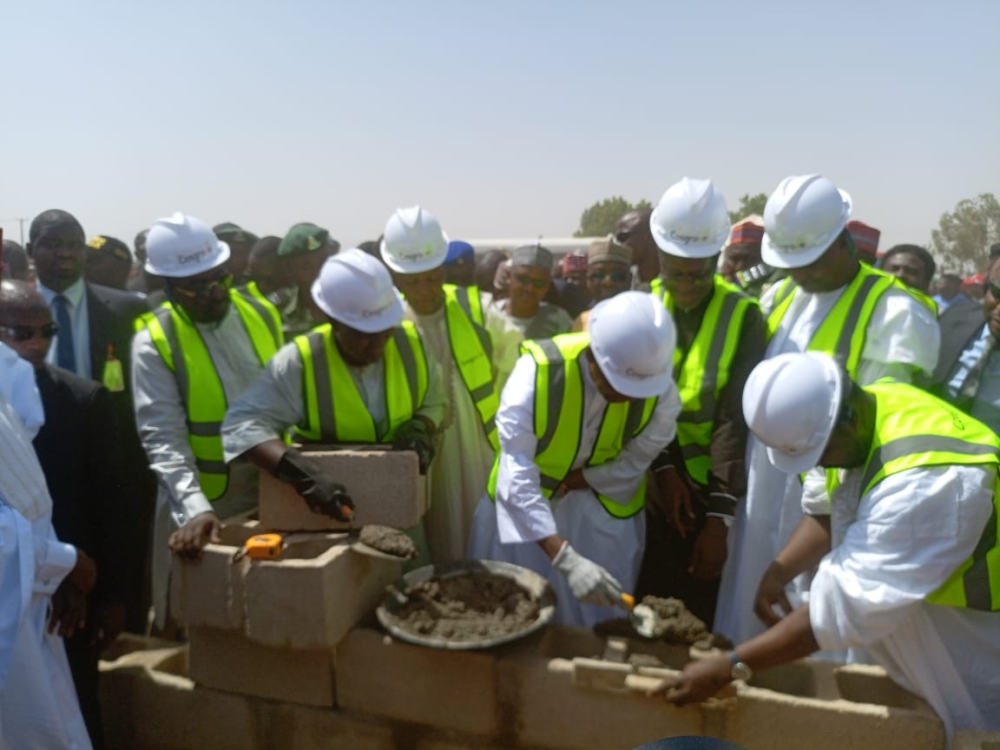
302 239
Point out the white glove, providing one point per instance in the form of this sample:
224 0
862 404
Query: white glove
588 581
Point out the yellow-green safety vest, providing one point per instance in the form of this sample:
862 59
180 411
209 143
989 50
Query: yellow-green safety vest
473 352
703 371
559 420
915 429
334 409
184 352
842 333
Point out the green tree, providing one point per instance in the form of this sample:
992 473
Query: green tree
963 236
599 219
749 204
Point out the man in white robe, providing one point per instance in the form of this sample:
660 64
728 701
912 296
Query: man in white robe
589 555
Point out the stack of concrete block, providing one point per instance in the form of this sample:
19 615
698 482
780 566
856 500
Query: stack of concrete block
385 485
394 695
268 628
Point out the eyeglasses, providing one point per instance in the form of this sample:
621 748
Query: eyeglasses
617 277
203 288
520 278
26 333
994 290
622 237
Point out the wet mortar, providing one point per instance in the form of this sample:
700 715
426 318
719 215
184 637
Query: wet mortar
467 607
672 623
388 540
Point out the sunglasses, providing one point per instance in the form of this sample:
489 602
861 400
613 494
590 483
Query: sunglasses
203 288
622 237
618 277
994 290
528 281
26 333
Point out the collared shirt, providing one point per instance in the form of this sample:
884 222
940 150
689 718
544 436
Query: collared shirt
986 404
161 415
76 296
943 304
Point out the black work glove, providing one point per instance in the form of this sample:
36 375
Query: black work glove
415 436
321 493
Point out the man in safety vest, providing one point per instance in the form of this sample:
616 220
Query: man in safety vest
450 321
869 322
581 419
190 357
363 377
720 338
909 563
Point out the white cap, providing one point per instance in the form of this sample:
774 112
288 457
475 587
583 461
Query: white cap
632 338
791 403
413 241
353 288
180 246
691 220
802 218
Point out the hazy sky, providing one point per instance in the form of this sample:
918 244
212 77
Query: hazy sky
503 118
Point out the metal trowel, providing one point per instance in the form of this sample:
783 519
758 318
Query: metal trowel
641 616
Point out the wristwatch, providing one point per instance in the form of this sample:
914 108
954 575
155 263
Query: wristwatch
740 671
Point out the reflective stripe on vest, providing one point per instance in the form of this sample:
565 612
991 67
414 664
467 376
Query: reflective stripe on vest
914 429
334 409
183 350
843 331
559 420
473 352
704 372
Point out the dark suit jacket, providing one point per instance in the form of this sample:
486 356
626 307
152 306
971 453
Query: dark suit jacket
959 323
78 448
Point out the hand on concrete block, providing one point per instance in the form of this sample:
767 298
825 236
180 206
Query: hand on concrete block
321 492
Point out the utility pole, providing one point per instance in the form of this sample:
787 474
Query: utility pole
20 222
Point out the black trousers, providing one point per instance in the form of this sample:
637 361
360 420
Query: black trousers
83 658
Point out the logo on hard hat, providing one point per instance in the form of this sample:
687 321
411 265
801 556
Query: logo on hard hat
376 312
687 239
632 373
194 257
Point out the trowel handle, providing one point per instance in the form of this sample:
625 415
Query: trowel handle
628 600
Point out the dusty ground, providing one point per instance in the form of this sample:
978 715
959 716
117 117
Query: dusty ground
467 607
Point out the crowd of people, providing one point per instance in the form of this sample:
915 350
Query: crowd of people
790 431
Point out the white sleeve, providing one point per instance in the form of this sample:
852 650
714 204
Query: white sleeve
523 512
620 479
162 422
270 405
902 335
912 531
53 559
815 499
435 400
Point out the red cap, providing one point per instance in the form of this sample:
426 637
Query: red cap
976 278
747 232
864 236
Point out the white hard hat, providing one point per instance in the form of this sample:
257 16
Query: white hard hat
802 218
353 288
632 338
691 220
413 241
791 403
180 246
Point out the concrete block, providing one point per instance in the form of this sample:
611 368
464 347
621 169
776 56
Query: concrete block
147 709
972 739
445 689
227 660
867 683
543 707
209 591
301 728
314 594
386 487
764 718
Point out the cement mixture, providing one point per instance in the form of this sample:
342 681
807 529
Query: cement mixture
672 623
388 540
467 607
